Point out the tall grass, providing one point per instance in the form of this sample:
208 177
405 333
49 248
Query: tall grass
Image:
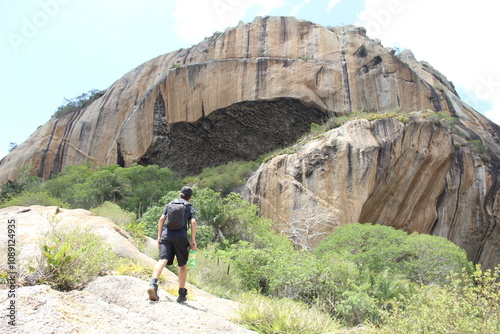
269 316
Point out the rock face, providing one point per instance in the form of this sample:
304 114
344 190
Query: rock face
418 177
117 304
213 103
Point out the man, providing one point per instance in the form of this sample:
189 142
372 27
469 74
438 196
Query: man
174 243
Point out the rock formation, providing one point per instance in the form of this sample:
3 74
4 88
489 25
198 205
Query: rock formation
215 102
419 177
257 87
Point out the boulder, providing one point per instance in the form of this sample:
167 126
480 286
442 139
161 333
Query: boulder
418 177
214 102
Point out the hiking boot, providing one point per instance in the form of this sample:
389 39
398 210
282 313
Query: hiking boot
182 295
153 292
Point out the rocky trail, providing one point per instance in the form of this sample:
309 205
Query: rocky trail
118 304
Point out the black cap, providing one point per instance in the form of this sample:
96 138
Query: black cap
186 191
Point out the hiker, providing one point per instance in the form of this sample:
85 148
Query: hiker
173 241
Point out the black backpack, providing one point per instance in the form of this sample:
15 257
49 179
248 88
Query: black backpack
176 211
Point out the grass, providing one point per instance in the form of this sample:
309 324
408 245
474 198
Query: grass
268 316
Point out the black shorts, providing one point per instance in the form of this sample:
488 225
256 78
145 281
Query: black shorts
177 246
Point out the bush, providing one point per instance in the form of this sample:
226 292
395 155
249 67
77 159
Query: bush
421 258
215 273
29 198
230 218
71 259
476 146
113 212
225 178
265 315
26 181
78 103
469 304
124 219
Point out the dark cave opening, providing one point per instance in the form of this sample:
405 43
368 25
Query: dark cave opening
241 132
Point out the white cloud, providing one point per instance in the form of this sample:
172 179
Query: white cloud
494 113
197 19
332 4
457 38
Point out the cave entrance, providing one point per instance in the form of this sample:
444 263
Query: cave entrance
243 131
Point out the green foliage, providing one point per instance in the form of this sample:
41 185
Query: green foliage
335 122
421 258
225 178
113 212
442 119
476 146
132 268
77 103
124 219
72 258
28 198
265 315
26 180
150 220
134 188
215 273
469 304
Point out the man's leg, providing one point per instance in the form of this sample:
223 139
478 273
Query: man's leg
182 284
158 268
153 287
182 276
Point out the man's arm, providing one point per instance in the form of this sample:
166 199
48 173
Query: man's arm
161 221
193 234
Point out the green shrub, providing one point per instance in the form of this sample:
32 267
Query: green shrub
26 181
215 274
469 304
71 259
265 315
422 258
77 103
225 178
124 219
150 220
476 146
133 189
113 212
29 198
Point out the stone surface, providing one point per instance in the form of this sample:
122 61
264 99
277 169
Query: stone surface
418 177
117 304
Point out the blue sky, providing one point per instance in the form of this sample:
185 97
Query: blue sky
56 49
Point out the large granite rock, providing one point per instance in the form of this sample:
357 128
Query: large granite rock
418 177
215 102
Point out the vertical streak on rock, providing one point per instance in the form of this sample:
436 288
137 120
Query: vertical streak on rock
283 29
349 167
345 77
41 172
261 76
263 38
460 165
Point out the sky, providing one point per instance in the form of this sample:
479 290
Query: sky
56 49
